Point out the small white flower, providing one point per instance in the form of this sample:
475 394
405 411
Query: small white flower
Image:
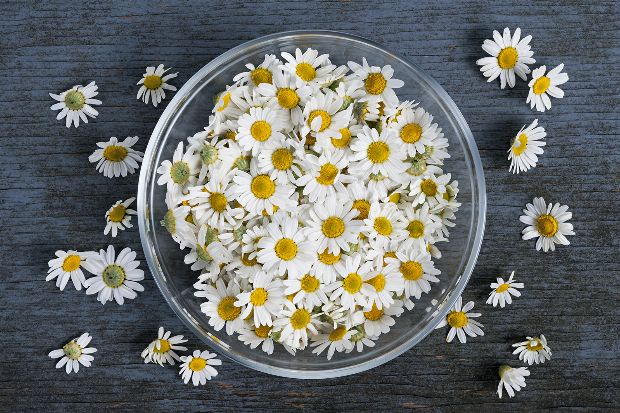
261 74
353 288
154 82
255 336
378 321
326 266
260 127
199 367
286 94
513 379
210 152
377 153
293 324
384 223
332 226
75 104
308 67
336 341
68 265
74 353
429 188
548 223
416 130
265 299
116 158
416 270
378 82
544 85
421 224
324 177
526 146
220 306
208 253
510 55
362 198
211 203
162 349
281 161
533 351
181 172
116 278
225 108
323 118
307 290
502 291
118 217
361 339
461 322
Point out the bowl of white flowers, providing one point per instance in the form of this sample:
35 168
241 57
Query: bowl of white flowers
311 205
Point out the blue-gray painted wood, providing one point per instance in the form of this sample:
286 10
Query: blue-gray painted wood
51 197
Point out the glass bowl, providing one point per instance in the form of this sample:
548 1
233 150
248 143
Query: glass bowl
188 113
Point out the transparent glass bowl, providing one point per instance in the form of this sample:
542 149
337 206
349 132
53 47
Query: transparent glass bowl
188 113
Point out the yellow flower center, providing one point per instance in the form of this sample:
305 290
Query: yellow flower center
282 159
327 174
411 270
72 350
231 135
75 100
260 130
394 198
541 85
415 228
547 225
224 102
333 227
389 254
248 262
153 82
378 281
457 319
352 283
411 133
287 98
309 283
328 259
262 186
227 310
71 263
262 331
337 334
115 153
286 249
502 288
383 226
535 345
305 71
507 58
261 75
374 314
326 120
363 206
344 140
259 297
375 83
113 276
520 144
218 201
378 152
117 213
164 347
197 364
300 319
429 187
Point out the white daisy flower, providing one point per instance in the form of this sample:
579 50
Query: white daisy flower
285 248
446 219
336 315
209 150
257 336
75 104
181 172
324 176
68 265
232 238
526 146
116 158
342 143
281 160
118 217
234 158
387 284
293 324
416 269
502 291
350 90
377 153
362 198
332 226
416 130
154 83
421 224
533 351
361 339
420 165
74 353
459 319
510 55
378 82
163 348
544 85
116 278
286 94
323 118
225 108
336 341
307 291
368 109
308 67
199 367
326 266
251 237
384 223
244 267
378 254
548 223
513 379
182 231
258 128
264 300
429 188
207 253
353 288
212 203
220 306
261 74
378 321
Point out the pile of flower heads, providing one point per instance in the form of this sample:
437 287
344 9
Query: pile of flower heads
311 204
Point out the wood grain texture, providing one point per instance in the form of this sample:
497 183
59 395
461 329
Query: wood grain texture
51 197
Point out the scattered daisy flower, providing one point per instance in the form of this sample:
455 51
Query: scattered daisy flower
461 322
199 367
74 353
154 83
513 379
526 146
544 85
75 104
118 217
533 351
502 291
162 349
548 223
116 158
67 265
377 81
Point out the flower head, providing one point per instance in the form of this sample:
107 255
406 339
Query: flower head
544 85
75 104
548 223
154 83
74 353
163 348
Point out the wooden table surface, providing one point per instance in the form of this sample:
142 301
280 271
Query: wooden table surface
52 198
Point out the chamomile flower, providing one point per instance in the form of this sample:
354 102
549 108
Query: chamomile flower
307 290
353 286
378 81
548 223
251 237
416 270
377 153
308 67
324 176
257 336
212 203
234 158
379 320
244 267
461 322
258 128
232 238
116 158
327 266
510 55
281 161
533 351
154 83
75 104
67 265
181 172
362 198
208 253
225 108
341 144
118 217
286 94
544 85
416 130
361 339
261 74
294 323
74 353
163 349
526 146
332 226
182 231
323 118
387 284
199 367
421 224
220 306
335 341
209 151
502 291
513 379
350 90
384 223
264 300
116 277
429 188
